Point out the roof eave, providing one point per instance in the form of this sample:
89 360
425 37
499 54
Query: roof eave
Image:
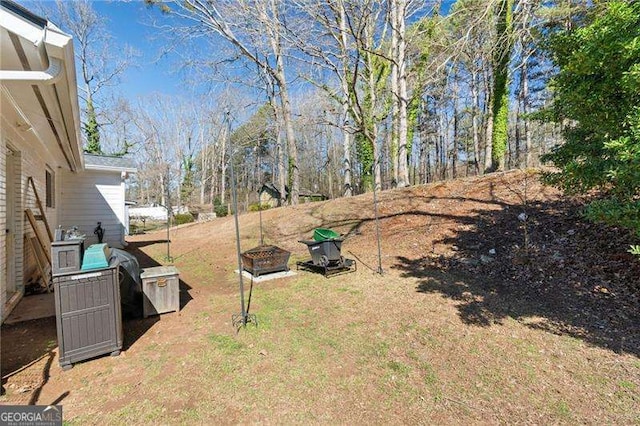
51 43
57 39
102 168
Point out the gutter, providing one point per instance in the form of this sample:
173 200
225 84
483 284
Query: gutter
56 68
24 13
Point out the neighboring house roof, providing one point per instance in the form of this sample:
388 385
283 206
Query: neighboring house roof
39 98
274 192
109 163
272 189
306 193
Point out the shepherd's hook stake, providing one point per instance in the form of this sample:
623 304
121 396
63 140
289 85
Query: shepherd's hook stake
375 213
242 319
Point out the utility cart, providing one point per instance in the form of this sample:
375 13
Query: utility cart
326 257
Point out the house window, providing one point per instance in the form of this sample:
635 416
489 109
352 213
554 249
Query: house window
51 188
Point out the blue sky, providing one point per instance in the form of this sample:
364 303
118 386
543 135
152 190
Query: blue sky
130 23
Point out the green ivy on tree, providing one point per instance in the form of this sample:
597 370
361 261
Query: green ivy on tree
364 153
188 181
371 114
92 131
500 96
597 98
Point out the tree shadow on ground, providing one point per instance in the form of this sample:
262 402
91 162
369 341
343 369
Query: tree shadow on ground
352 220
147 261
26 345
27 353
136 326
511 255
567 277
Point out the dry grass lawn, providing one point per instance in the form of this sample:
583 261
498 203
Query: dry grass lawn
423 343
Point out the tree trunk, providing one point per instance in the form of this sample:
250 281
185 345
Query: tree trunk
454 148
163 192
444 160
517 155
403 176
474 123
501 85
394 135
203 172
488 131
429 173
525 110
346 162
223 166
292 148
281 80
373 130
282 174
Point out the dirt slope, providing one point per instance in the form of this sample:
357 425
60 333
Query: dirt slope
536 255
523 238
498 303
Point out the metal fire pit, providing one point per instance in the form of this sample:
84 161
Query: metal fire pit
265 259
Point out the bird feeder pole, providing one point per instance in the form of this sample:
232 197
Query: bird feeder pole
243 318
375 214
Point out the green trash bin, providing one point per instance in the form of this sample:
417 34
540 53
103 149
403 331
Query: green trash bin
322 234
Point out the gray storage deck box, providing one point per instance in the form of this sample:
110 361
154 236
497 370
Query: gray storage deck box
160 289
88 314
66 256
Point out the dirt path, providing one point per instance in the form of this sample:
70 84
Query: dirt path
471 322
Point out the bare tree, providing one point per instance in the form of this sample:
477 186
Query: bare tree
399 86
101 63
253 28
329 46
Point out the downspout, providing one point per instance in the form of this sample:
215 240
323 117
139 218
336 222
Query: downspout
49 76
123 177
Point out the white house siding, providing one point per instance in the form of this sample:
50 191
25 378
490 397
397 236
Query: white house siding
28 161
90 197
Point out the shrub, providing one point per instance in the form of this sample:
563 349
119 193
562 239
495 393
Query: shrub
257 207
614 212
221 210
596 96
182 218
